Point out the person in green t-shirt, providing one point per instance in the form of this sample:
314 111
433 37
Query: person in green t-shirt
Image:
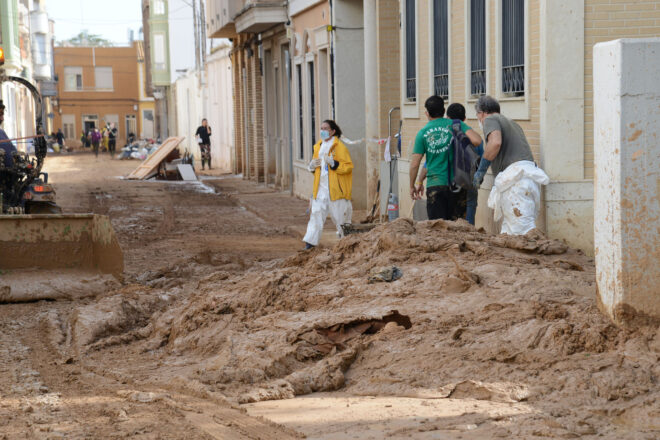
434 142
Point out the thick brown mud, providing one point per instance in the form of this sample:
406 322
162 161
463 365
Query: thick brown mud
482 336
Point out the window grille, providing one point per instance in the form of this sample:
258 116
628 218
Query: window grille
441 48
311 103
301 151
478 47
411 66
513 47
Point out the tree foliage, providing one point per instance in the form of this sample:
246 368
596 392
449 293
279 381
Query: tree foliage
85 39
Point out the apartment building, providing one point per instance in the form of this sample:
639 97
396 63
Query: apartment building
156 30
16 44
97 86
294 64
535 56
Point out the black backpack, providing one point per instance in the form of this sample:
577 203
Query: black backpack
466 159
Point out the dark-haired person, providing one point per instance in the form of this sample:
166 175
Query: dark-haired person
434 142
455 112
203 134
333 179
516 192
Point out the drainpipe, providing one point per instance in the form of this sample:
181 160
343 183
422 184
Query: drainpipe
371 96
332 61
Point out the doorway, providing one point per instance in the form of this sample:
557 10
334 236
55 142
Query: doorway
89 122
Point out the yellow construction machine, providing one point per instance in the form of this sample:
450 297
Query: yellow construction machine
45 254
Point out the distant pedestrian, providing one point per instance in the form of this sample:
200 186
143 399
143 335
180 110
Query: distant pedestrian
96 140
60 138
333 178
203 134
105 138
112 139
516 192
85 139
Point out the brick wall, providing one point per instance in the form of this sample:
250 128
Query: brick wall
609 20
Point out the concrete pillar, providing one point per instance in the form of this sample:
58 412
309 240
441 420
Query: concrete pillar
568 197
371 95
627 159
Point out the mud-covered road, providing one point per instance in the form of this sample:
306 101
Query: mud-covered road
222 328
48 391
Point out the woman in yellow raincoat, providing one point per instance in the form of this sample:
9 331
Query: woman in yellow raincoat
333 179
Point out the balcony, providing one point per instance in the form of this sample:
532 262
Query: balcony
258 16
220 17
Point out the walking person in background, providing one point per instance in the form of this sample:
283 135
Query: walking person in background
96 141
434 142
203 134
516 192
105 133
333 179
112 139
456 112
60 138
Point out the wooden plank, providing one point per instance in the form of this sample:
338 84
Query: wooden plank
186 171
150 164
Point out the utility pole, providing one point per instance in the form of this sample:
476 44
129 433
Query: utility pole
196 30
202 24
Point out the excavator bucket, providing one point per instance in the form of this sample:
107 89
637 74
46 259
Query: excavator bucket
57 256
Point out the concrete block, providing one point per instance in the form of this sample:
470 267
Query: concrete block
627 158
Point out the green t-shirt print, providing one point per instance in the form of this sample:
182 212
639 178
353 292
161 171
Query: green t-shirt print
434 141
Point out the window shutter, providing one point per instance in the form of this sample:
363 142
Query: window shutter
411 66
441 48
513 47
478 47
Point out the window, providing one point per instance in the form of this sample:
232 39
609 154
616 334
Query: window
103 77
159 51
39 41
301 138
73 79
478 47
312 104
513 47
131 125
441 48
159 7
69 126
411 59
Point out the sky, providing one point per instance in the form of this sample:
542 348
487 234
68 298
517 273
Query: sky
110 19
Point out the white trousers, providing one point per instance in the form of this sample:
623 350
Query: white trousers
341 211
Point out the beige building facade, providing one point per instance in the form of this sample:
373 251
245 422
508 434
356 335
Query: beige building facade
535 56
294 65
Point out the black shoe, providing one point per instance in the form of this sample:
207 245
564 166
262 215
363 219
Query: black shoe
309 246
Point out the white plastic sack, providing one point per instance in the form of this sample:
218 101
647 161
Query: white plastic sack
516 197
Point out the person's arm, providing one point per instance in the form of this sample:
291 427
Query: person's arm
493 145
474 137
419 185
208 129
342 160
414 168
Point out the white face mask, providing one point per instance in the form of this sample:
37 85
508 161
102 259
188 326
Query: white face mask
325 134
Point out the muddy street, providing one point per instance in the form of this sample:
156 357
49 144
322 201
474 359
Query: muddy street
222 328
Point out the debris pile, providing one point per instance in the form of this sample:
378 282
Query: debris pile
474 316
